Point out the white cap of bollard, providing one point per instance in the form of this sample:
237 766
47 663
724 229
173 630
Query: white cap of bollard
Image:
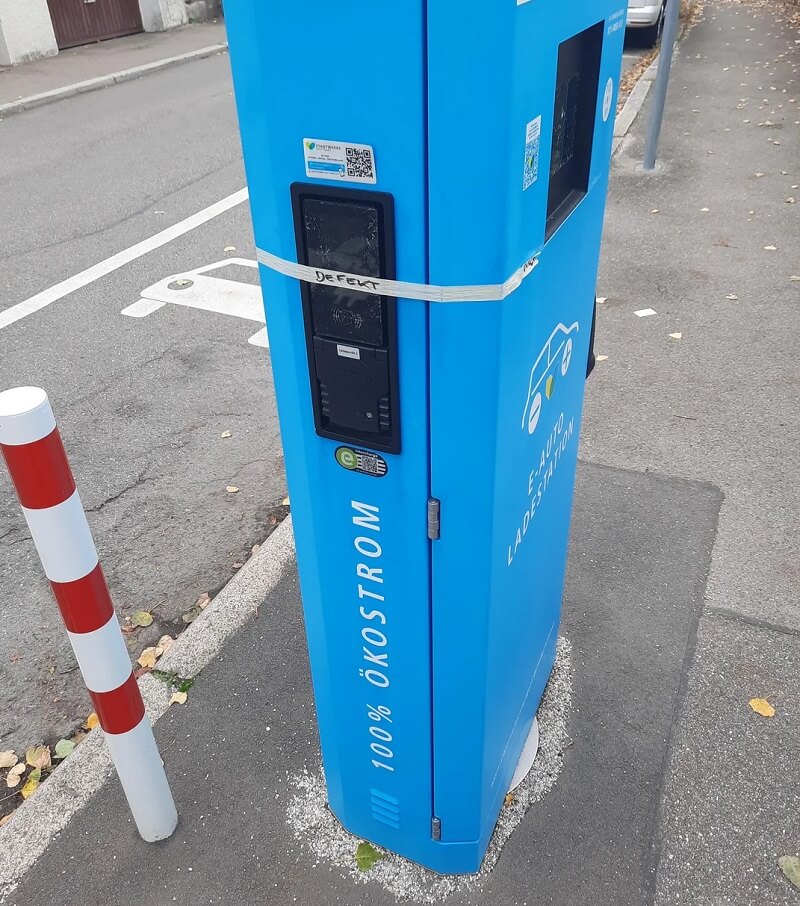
25 416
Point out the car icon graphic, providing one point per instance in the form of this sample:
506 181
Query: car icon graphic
543 378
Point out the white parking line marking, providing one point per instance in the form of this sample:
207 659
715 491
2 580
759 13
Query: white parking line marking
142 308
84 278
260 338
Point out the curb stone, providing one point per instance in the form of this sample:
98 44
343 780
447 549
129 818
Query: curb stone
113 78
24 839
633 104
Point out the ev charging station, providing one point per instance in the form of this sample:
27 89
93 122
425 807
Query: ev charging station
428 183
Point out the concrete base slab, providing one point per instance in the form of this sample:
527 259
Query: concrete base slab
640 553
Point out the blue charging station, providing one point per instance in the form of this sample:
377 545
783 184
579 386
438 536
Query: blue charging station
428 183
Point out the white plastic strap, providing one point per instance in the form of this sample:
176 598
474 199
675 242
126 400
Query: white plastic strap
377 286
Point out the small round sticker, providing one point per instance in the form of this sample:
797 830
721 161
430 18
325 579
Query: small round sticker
607 99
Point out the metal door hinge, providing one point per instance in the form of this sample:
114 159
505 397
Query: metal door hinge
434 518
436 828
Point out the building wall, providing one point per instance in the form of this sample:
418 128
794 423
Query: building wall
159 15
26 31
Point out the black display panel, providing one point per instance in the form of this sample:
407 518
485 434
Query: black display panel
344 236
574 112
351 336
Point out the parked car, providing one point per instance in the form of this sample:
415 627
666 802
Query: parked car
647 19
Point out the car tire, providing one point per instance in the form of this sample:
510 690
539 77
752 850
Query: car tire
652 35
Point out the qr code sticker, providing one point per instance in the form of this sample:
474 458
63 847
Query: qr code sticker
360 163
532 136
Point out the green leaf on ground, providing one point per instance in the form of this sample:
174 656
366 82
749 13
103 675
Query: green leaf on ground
790 866
141 618
367 856
64 747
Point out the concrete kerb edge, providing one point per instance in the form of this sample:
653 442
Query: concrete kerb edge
114 78
633 104
34 825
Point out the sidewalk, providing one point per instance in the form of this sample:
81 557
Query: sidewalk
682 596
79 65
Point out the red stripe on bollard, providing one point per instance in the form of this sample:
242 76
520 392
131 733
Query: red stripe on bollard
41 472
121 709
85 604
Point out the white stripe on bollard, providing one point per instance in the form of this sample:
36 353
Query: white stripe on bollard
25 416
63 540
102 657
141 773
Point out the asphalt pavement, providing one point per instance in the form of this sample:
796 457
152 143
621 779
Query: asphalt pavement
142 402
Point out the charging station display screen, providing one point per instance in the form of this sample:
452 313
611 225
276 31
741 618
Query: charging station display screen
574 112
351 335
566 119
344 237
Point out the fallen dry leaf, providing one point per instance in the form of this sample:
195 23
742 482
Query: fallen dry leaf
203 601
178 698
791 199
655 211
601 358
183 282
165 643
790 866
509 800
38 757
141 618
285 501
14 775
5 819
8 759
705 210
732 297
762 706
191 615
795 278
238 565
229 248
226 434
676 336
148 657
31 785
232 489
601 300
92 721
770 248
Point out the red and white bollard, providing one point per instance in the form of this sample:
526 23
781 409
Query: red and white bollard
37 463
